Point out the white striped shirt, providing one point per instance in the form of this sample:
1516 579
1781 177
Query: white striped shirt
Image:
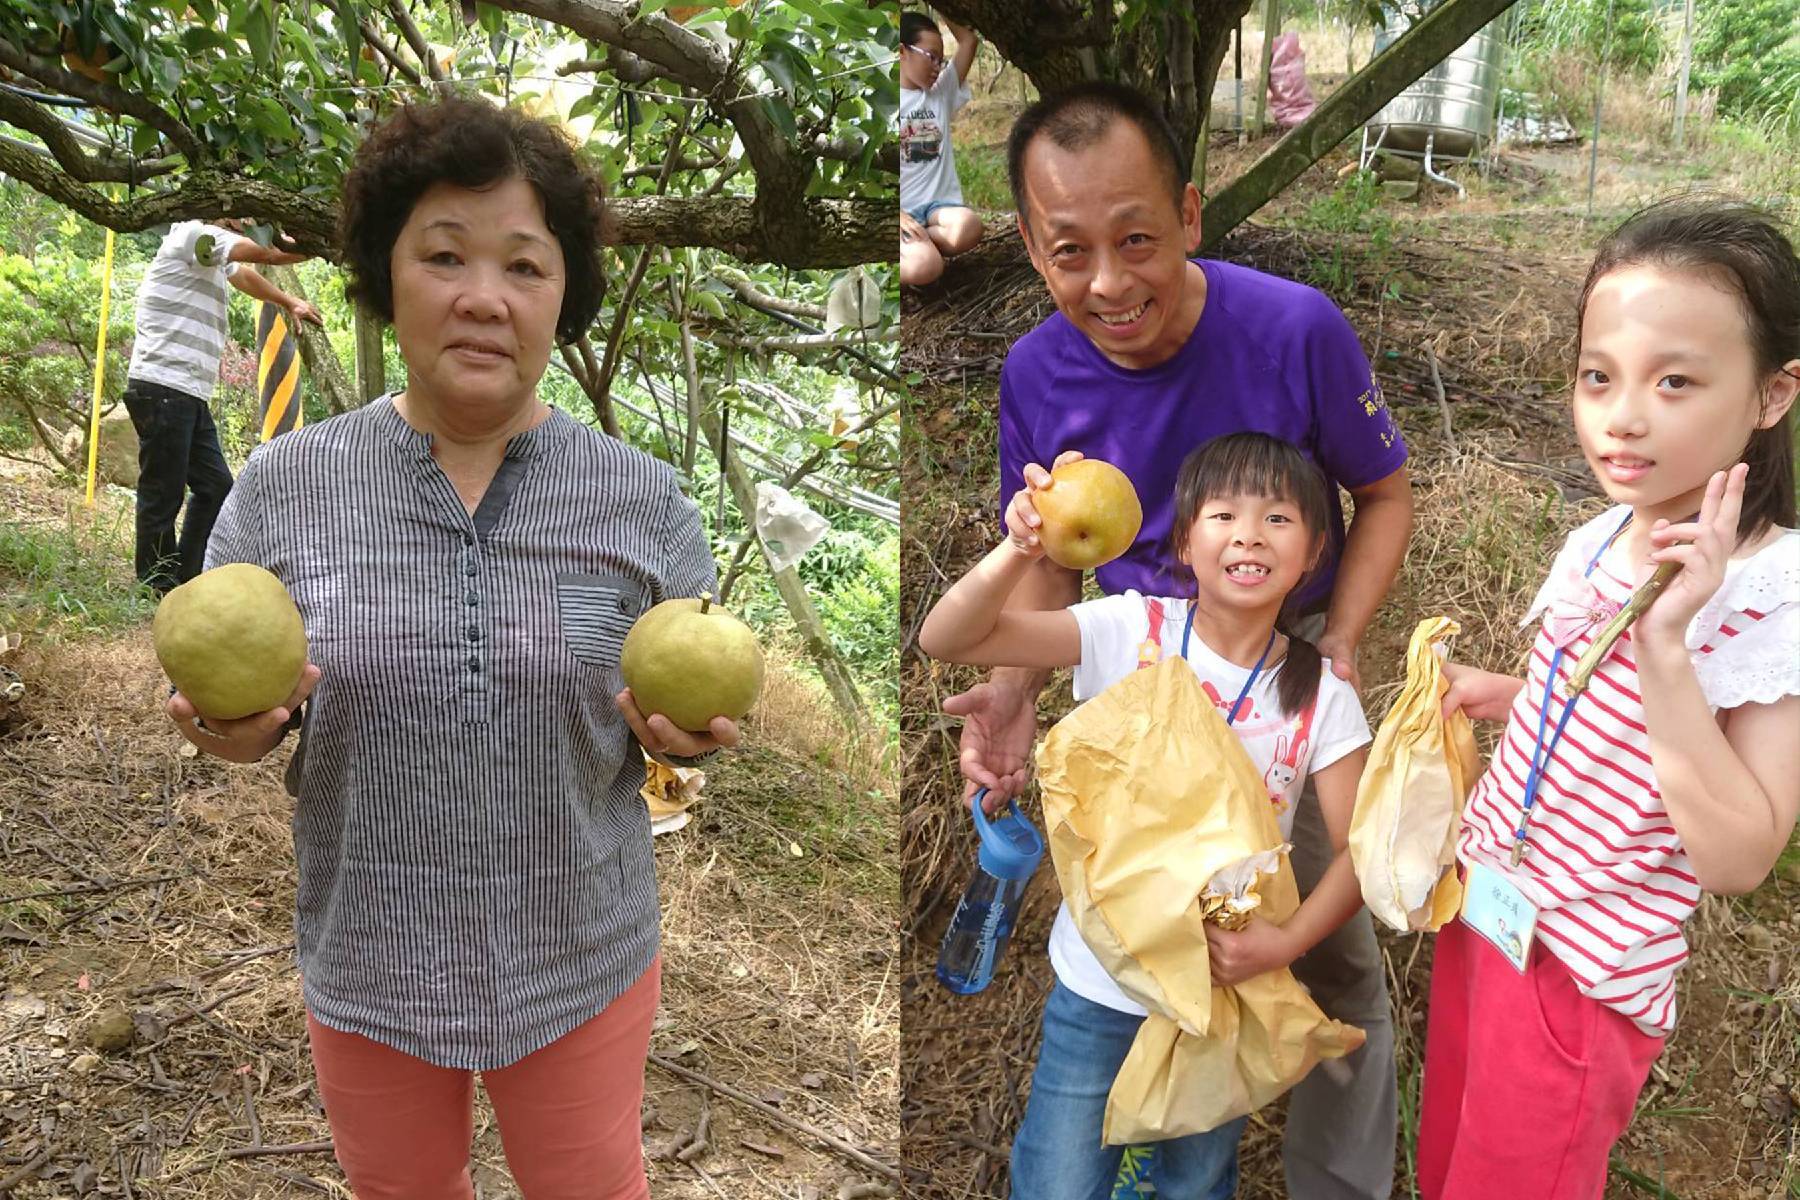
181 328
476 875
1605 865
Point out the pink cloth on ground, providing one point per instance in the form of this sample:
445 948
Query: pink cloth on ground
1528 1083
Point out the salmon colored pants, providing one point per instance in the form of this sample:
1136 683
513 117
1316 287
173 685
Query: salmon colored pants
1528 1083
568 1113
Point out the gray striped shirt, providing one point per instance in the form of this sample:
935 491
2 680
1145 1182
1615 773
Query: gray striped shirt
181 326
476 875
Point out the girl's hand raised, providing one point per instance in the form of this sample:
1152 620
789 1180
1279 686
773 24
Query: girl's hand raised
1702 547
1022 520
1256 949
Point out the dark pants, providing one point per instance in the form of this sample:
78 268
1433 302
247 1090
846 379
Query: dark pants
178 452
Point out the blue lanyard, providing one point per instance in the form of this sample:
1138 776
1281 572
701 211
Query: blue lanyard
1230 717
1540 752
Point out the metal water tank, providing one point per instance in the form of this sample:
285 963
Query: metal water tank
1448 113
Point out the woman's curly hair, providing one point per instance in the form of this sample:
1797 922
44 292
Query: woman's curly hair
470 143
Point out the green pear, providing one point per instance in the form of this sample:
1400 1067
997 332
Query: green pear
691 661
231 640
1090 512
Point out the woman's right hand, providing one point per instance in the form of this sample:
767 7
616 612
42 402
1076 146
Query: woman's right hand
246 739
1481 695
1022 520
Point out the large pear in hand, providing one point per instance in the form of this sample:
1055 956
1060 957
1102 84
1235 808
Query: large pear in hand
1090 512
691 661
231 640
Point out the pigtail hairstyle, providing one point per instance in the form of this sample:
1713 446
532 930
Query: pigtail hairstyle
1255 464
1743 247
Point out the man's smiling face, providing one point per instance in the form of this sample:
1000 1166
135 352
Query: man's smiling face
1112 243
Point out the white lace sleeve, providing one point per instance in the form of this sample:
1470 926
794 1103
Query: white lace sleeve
1746 640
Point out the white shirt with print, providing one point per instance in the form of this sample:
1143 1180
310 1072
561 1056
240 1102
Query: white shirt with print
927 164
1285 747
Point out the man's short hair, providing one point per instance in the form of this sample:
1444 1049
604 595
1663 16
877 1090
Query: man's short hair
1077 117
912 24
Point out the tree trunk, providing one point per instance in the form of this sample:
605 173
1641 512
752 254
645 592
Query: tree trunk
371 366
322 366
1422 47
793 592
1057 43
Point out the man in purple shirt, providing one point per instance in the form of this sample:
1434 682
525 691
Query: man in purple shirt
1149 355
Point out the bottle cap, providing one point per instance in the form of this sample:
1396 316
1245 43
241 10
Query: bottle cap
1010 845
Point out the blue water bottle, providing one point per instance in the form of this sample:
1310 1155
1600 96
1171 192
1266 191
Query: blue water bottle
1010 851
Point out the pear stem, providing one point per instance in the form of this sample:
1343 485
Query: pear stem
706 602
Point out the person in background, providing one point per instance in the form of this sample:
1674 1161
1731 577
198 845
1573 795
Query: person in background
181 335
934 221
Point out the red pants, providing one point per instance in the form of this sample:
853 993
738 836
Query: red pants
1528 1083
568 1113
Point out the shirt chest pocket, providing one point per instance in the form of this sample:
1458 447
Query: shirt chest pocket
595 612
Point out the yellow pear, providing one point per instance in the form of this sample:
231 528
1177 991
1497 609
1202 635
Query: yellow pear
231 640
691 661
1091 514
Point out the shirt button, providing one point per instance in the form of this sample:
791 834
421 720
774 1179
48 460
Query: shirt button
624 603
472 598
474 663
469 568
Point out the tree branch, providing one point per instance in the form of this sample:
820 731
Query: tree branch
782 172
840 232
837 232
66 148
416 40
1440 31
310 220
107 96
389 52
760 300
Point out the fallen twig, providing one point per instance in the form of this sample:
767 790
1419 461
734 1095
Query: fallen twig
25 1172
854 1153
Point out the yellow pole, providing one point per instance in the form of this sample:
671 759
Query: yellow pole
100 369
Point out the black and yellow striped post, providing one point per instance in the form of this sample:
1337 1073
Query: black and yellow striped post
277 371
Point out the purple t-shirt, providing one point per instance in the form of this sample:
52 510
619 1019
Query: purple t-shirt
1268 355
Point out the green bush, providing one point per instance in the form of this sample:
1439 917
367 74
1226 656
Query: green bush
1749 51
1636 42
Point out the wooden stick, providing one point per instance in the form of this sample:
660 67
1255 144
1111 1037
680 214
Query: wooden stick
24 1173
854 1153
1602 644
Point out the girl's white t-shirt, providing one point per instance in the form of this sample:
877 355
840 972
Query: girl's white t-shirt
927 162
1285 747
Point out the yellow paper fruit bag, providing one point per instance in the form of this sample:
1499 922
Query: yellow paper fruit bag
1410 800
1148 796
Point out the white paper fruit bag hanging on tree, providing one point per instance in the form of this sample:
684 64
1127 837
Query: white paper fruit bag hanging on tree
1158 823
787 527
1410 800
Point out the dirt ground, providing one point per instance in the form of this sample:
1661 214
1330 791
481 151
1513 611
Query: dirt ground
142 882
1466 310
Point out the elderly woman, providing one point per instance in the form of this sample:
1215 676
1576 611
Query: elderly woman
476 881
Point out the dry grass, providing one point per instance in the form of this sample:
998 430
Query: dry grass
172 881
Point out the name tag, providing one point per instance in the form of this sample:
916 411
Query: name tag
1499 912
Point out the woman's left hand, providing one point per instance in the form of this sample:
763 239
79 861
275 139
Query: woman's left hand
1702 547
660 737
1256 949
